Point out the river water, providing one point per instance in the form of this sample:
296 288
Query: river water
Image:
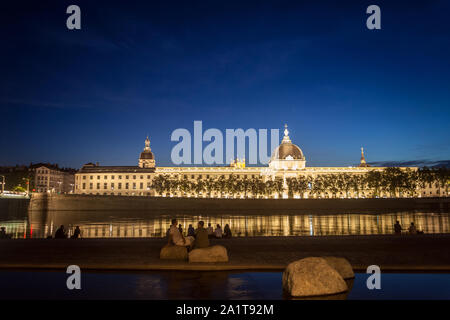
101 224
207 285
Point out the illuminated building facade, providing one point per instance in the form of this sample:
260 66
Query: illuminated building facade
52 179
287 162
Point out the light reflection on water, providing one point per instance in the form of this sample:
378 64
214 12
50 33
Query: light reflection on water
95 224
175 285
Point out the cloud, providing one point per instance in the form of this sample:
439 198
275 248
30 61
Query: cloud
42 103
412 163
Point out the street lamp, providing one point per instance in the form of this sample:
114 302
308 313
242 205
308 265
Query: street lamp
3 184
28 185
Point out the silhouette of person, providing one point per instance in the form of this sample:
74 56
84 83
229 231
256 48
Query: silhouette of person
210 231
412 228
76 233
397 228
60 233
201 236
191 231
218 232
227 231
3 233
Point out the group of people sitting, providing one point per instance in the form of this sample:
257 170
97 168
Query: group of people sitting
411 230
196 238
218 233
61 233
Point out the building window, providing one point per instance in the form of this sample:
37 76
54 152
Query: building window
141 186
106 177
112 186
127 177
91 177
84 177
98 186
90 186
126 185
148 185
134 177
98 177
105 186
84 185
112 177
148 177
134 185
142 177
120 185
120 177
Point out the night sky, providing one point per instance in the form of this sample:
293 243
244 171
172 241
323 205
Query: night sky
139 68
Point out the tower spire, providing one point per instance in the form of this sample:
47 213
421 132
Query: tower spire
363 160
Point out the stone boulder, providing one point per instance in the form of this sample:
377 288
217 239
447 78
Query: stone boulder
209 254
312 277
173 252
342 266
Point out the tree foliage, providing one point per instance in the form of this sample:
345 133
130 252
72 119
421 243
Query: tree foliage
392 182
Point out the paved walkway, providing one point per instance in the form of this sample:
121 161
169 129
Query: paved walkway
415 253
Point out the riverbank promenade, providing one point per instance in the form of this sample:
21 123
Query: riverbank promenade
390 252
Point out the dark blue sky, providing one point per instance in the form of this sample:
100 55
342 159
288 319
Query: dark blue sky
147 67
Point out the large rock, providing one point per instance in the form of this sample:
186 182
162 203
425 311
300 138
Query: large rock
173 252
312 277
209 254
342 266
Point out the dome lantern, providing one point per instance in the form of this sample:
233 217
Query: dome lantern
147 159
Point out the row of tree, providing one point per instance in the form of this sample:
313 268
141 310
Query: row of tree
232 185
390 181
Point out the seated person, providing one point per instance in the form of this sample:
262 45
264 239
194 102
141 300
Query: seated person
218 232
191 231
201 236
76 233
60 233
227 231
412 228
176 238
397 228
210 231
2 233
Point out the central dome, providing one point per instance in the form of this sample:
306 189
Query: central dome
146 155
287 150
